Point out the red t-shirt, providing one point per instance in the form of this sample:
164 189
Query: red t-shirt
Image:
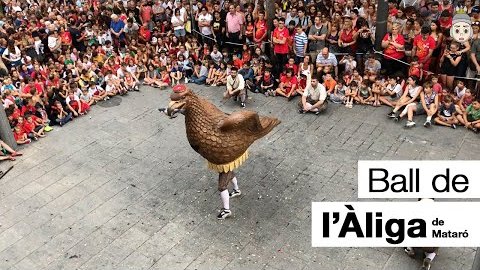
391 51
288 83
28 127
238 63
294 67
423 46
18 135
26 89
281 34
260 28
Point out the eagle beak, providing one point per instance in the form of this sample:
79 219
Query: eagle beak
175 107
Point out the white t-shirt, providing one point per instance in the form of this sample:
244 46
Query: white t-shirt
216 57
52 42
13 56
206 30
176 19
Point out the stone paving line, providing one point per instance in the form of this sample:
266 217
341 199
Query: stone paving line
122 189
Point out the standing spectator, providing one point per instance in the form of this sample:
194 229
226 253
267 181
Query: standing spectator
234 26
347 37
205 24
300 44
317 36
280 45
117 30
260 30
131 29
423 46
218 27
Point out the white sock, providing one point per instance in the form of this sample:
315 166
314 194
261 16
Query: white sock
430 255
235 183
429 118
225 199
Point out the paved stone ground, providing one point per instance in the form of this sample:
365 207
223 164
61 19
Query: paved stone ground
123 190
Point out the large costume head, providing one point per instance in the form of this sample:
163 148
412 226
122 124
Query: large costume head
461 30
179 100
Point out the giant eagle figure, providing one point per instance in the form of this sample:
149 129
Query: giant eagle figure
222 139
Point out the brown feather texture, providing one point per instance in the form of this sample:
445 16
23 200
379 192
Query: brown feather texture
219 137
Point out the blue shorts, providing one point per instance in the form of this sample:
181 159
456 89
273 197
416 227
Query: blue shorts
180 33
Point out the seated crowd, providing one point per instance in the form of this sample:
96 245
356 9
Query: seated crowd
61 58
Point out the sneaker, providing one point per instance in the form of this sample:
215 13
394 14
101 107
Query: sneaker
453 126
410 252
235 193
186 80
267 94
242 105
48 128
301 111
396 118
225 213
317 112
235 98
214 84
427 124
410 124
392 115
475 130
427 263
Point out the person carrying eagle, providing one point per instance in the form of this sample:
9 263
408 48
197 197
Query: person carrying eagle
222 139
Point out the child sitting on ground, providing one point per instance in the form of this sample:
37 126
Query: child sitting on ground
338 95
378 91
97 92
465 101
87 97
20 135
32 129
302 83
351 95
471 117
266 83
446 115
75 105
288 85
365 95
59 114
459 91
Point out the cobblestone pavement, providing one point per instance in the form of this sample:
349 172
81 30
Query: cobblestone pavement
122 189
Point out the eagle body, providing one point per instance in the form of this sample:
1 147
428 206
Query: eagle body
219 137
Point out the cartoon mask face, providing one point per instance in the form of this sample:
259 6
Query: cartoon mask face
461 31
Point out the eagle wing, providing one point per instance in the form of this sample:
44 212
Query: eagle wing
248 122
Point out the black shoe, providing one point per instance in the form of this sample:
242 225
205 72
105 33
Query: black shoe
453 126
392 115
301 111
317 112
427 124
290 98
235 98
396 118
225 213
475 130
242 105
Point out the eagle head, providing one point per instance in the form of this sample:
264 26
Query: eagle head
178 101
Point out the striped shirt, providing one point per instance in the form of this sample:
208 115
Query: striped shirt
301 41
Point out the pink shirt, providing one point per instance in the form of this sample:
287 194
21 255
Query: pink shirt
234 23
